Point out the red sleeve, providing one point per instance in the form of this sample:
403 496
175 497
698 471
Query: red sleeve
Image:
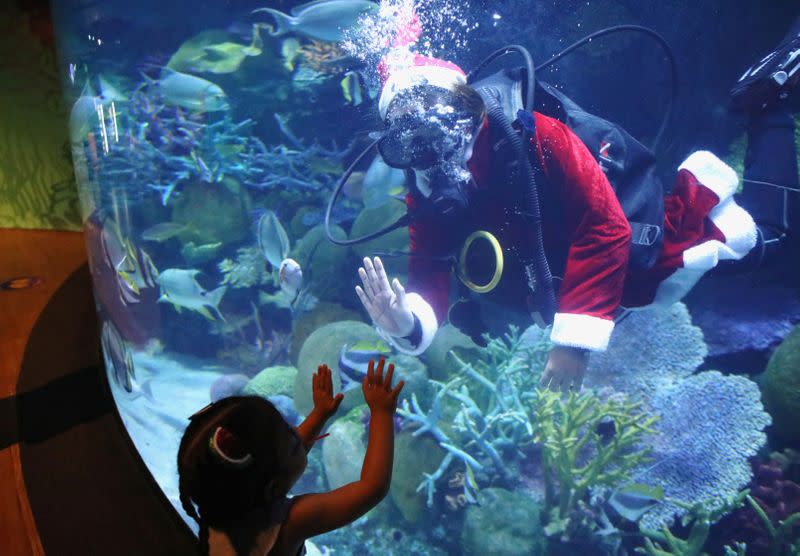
599 233
428 277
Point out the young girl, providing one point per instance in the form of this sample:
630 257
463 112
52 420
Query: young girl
239 458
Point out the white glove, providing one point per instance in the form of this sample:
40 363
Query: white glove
385 303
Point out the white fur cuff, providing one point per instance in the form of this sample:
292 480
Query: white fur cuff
711 172
581 331
427 319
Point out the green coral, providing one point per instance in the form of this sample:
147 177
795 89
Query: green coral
780 388
247 271
698 519
575 457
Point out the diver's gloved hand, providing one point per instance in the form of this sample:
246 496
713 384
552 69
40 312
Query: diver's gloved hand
565 369
385 303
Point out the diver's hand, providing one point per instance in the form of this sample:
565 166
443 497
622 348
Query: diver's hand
565 369
385 303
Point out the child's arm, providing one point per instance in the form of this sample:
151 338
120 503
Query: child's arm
314 514
325 405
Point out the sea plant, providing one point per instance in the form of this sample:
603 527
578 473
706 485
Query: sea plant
576 455
698 518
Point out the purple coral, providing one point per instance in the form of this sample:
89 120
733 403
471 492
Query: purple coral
777 496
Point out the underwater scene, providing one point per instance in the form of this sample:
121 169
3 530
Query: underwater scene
597 333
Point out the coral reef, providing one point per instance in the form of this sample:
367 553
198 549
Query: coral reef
649 352
486 423
709 425
772 500
247 270
413 458
343 451
324 57
272 381
780 386
576 456
651 358
504 523
324 346
698 519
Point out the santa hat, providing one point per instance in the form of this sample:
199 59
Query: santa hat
423 70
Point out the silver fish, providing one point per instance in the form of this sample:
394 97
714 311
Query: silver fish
180 288
272 239
325 20
191 92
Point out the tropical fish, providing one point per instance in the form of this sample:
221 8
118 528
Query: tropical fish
353 361
214 51
381 183
180 288
290 50
20 283
290 278
632 501
354 187
272 239
190 92
117 356
352 87
163 231
326 20
134 268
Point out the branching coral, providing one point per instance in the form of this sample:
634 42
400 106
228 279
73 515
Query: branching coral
698 518
576 456
489 421
161 148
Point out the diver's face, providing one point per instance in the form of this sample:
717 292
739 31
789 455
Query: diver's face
423 132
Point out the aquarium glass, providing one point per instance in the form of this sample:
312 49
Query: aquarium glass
211 141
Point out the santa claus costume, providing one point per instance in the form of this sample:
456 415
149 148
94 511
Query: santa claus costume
587 236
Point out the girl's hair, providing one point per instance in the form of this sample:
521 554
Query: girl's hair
222 491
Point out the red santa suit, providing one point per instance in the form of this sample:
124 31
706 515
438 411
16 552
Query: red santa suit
586 235
587 238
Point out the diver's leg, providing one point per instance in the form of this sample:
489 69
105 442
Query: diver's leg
767 94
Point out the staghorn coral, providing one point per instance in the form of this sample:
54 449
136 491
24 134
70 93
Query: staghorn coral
710 424
486 421
576 456
161 149
698 519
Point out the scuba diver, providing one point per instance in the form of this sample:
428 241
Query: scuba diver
565 206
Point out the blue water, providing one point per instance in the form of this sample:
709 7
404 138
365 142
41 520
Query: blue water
206 151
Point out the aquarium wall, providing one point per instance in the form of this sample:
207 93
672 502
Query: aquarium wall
37 185
208 140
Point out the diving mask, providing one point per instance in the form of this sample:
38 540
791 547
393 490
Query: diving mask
423 128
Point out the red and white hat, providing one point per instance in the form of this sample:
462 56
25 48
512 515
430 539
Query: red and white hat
396 78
